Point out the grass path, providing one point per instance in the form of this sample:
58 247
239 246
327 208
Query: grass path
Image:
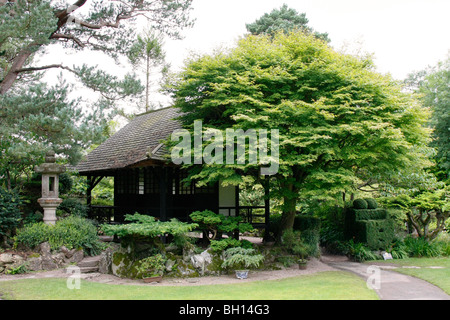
330 285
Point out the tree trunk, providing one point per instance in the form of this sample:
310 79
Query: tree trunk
12 74
147 89
288 216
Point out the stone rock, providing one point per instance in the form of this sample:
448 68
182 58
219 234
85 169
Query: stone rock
201 261
104 265
169 265
47 263
6 258
34 264
18 259
58 259
67 253
77 256
187 254
45 249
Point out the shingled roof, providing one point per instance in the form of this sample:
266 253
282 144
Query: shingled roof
139 140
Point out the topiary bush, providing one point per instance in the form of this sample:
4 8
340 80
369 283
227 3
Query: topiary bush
370 226
360 204
371 203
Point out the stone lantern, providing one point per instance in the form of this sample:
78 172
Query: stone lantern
50 186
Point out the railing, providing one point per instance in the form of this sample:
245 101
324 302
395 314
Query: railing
102 214
255 215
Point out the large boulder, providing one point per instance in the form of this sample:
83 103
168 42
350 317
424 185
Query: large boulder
201 261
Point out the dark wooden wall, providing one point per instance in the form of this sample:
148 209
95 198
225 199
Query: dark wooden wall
160 192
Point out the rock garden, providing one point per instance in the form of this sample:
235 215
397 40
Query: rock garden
148 249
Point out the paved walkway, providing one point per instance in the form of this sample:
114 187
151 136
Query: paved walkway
390 285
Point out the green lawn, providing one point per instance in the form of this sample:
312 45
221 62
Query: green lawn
438 276
319 286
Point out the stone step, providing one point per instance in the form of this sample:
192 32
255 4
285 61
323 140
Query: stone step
89 264
88 269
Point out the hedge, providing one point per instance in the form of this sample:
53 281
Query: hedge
371 226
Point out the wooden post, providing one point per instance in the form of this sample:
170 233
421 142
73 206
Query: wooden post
89 191
236 205
266 208
163 194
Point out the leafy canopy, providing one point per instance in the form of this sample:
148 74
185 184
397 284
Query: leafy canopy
339 121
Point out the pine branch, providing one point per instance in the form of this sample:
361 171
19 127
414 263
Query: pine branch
60 66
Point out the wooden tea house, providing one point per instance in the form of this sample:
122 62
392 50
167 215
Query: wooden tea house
147 183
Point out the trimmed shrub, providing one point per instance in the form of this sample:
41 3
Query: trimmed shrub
377 234
370 214
371 226
360 204
371 203
71 232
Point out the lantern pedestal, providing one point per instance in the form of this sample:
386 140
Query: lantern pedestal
50 187
50 206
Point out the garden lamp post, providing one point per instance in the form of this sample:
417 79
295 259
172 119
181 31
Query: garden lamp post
50 186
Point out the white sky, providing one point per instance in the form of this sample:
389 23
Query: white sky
403 35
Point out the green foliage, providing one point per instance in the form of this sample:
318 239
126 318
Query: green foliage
293 242
427 211
72 207
284 19
332 228
398 250
35 116
370 226
358 251
10 215
33 234
23 23
360 204
370 214
432 85
152 266
17 270
420 247
71 232
210 222
371 203
339 121
143 226
308 227
224 244
241 258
